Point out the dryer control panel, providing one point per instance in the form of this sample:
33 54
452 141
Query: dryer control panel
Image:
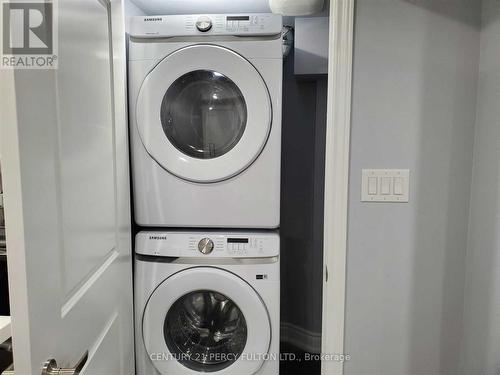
255 24
208 244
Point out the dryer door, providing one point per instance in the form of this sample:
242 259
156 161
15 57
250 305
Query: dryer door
204 113
206 319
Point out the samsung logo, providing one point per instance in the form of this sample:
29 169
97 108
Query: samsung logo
153 19
157 237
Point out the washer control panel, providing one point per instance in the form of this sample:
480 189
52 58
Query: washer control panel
255 24
204 244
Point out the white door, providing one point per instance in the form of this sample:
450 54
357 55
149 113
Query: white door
204 113
66 183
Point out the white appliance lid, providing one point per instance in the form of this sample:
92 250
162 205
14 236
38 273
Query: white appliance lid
248 24
201 7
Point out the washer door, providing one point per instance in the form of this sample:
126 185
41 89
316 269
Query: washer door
205 319
204 113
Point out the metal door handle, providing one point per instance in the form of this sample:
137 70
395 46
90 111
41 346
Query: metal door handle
50 367
9 370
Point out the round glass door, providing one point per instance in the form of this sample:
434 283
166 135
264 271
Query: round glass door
205 319
203 114
205 330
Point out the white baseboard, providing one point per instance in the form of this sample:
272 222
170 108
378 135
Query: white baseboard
301 338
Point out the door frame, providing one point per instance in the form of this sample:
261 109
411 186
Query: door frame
337 152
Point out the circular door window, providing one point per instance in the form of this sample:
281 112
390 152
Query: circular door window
205 330
205 319
203 114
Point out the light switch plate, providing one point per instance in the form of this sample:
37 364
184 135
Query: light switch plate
385 185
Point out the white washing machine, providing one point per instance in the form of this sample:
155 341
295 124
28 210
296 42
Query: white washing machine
207 302
205 120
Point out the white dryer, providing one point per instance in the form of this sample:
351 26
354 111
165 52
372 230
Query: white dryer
205 120
207 302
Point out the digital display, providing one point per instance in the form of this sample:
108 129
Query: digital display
237 240
238 18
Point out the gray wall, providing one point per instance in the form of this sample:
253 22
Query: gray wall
414 99
482 318
302 190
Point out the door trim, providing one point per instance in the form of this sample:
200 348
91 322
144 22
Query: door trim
337 180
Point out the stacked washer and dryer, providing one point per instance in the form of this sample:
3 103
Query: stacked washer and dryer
205 126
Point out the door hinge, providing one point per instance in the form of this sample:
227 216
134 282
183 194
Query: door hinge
326 274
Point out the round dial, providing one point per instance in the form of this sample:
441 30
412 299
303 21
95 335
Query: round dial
205 246
204 24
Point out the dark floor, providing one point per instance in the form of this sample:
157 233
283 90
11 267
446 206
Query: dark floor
294 361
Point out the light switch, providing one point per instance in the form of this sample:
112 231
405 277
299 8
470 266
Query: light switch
398 186
372 185
385 185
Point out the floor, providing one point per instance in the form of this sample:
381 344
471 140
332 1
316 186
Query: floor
294 362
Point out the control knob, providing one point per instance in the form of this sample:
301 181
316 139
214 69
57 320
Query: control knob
204 24
205 246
